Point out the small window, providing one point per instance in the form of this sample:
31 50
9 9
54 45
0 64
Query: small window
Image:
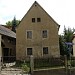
29 51
45 50
38 19
44 33
29 34
33 19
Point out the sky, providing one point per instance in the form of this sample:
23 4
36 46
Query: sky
62 11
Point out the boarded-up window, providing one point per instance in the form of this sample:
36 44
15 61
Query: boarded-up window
44 33
29 51
29 34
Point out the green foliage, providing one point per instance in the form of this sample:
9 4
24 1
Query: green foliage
14 24
25 67
10 23
66 37
73 63
68 34
19 63
61 43
47 63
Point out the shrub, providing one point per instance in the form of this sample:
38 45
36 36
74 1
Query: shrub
73 63
25 68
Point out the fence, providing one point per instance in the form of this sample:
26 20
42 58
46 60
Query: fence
50 63
8 59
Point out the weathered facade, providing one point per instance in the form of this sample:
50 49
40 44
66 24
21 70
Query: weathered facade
37 35
7 44
73 41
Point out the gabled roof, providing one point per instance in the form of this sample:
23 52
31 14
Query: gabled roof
36 3
7 32
45 12
9 27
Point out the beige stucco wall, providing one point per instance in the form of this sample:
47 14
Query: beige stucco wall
0 47
37 42
74 47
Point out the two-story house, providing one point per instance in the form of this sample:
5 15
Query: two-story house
37 34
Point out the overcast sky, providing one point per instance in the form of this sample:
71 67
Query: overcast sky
62 11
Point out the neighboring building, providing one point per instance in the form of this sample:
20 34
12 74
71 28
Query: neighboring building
73 45
9 27
7 44
37 35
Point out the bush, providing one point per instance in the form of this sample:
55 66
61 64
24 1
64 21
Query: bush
73 63
25 68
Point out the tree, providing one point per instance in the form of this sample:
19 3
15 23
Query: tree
66 37
9 23
68 34
61 44
14 24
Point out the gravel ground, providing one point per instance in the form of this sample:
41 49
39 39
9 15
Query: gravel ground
12 71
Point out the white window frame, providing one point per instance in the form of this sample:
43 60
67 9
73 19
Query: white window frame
47 33
31 36
38 19
26 51
42 50
33 20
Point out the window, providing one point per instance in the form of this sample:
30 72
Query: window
29 51
38 19
44 33
33 19
45 50
29 34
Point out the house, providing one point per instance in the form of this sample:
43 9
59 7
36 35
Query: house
73 41
37 35
9 27
7 44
